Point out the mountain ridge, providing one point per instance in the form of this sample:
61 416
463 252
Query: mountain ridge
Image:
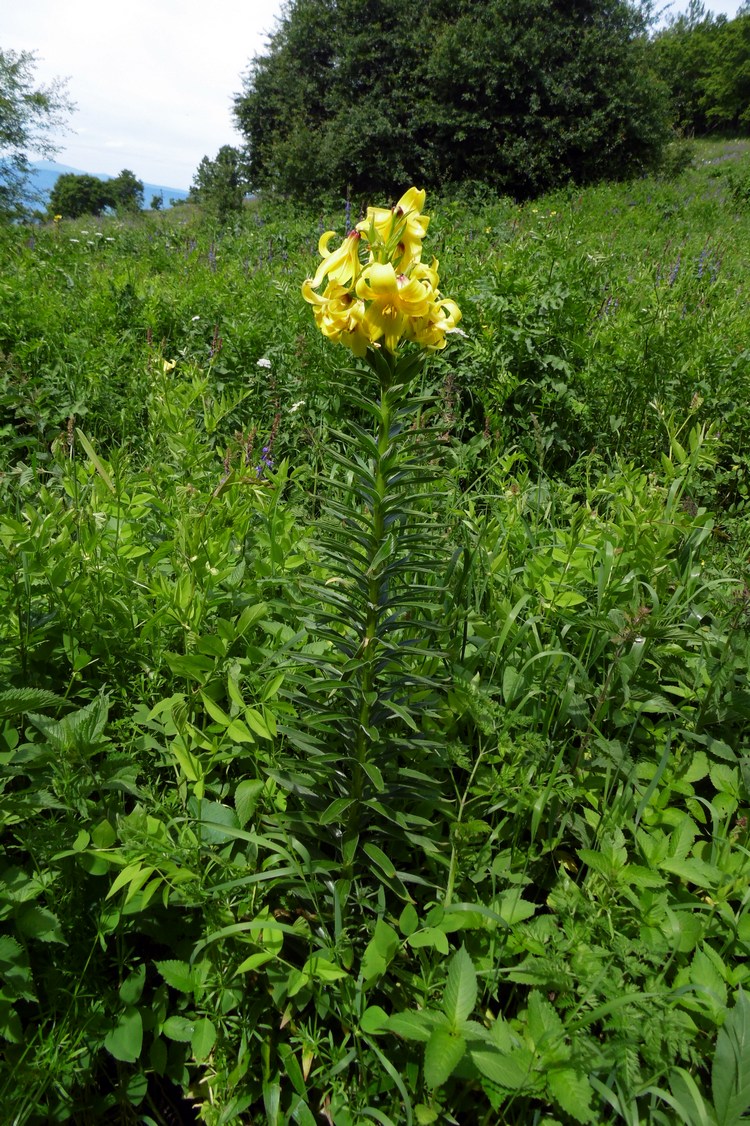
44 175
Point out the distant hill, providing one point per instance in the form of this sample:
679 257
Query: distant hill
44 175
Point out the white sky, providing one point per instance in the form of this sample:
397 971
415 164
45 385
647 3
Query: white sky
153 80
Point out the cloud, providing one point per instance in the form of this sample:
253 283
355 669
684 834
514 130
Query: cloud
153 82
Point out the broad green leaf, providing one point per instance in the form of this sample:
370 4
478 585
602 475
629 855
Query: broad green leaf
125 1040
203 1038
132 987
257 723
246 798
373 1020
429 936
442 1054
408 920
321 969
460 996
425 1115
255 961
379 951
178 1028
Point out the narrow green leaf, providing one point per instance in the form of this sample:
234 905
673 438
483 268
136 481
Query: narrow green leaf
379 858
95 461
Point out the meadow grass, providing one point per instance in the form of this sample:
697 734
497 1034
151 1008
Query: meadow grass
496 868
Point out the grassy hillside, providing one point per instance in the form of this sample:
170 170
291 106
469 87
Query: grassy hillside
358 770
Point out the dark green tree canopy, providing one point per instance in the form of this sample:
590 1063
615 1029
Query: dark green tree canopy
220 184
126 192
705 62
522 94
75 195
31 118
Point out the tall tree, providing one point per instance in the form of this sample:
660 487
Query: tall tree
125 192
219 184
31 118
523 94
74 195
705 62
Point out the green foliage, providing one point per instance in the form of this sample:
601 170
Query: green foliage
369 749
30 115
125 192
74 195
219 184
523 96
705 62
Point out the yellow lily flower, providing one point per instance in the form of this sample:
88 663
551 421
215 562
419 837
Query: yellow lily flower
398 230
430 331
341 265
338 315
390 299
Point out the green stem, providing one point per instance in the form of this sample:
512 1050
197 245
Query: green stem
369 644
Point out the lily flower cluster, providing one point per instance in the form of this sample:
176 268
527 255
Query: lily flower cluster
378 291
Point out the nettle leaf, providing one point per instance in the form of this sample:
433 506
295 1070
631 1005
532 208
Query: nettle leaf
460 995
730 1071
443 1052
572 1092
16 701
512 908
513 1072
40 923
181 976
545 1027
